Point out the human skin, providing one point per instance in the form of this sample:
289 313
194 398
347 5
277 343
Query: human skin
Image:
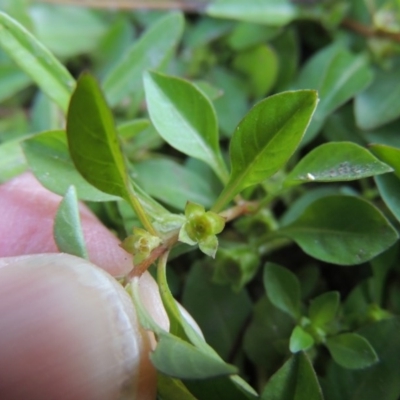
68 329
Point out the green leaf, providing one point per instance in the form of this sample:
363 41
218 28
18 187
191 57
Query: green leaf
131 129
338 75
68 233
283 289
377 105
12 160
151 51
272 12
172 389
177 358
332 162
36 61
389 155
220 313
351 351
300 340
12 81
266 138
185 118
295 380
389 189
93 141
173 184
48 158
323 309
343 230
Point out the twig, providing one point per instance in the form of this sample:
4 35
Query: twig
367 31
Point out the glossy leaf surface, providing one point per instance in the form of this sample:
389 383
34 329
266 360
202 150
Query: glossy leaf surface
151 51
343 230
336 161
185 118
67 226
265 139
36 61
324 308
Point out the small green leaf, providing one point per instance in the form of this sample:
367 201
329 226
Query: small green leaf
266 138
343 230
377 105
185 118
351 351
283 289
131 129
93 141
389 189
48 158
389 155
67 226
209 246
151 51
271 12
333 162
295 380
36 61
323 308
300 340
172 389
12 160
177 358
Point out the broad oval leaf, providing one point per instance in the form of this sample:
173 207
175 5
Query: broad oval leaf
343 230
151 51
67 229
295 380
185 118
36 61
266 138
179 359
336 161
271 12
48 158
283 289
93 141
351 351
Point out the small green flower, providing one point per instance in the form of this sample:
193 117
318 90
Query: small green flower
201 227
140 244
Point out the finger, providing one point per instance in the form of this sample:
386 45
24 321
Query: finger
27 217
68 330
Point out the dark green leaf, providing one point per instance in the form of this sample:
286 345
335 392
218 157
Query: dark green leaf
323 308
36 61
185 118
93 141
283 289
332 162
272 12
151 51
48 157
389 189
295 380
173 184
351 351
300 340
266 138
220 313
68 233
337 75
343 230
177 358
377 105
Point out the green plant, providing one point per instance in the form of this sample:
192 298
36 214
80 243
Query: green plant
284 168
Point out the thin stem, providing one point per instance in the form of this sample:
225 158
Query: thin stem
142 215
244 207
367 31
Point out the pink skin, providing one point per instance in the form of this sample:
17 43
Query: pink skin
68 330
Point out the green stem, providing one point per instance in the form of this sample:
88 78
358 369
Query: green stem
143 218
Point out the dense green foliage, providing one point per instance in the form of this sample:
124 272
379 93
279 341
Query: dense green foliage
247 153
